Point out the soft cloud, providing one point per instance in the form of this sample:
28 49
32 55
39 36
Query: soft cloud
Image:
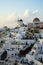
35 11
26 13
10 20
27 16
12 17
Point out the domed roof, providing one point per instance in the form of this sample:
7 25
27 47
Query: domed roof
36 19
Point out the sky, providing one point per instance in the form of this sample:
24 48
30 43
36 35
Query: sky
11 10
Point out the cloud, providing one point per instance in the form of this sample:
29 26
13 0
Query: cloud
10 20
12 17
35 11
27 16
26 13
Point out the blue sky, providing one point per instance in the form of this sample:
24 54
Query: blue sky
7 7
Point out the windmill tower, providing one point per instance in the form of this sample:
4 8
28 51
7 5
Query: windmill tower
20 22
